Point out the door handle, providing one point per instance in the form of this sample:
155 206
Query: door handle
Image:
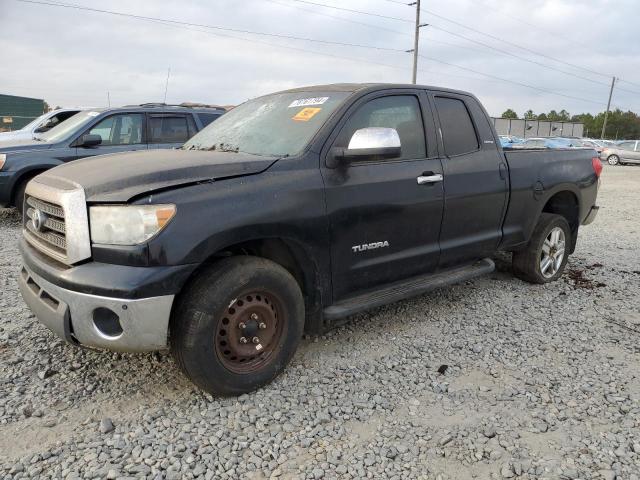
427 179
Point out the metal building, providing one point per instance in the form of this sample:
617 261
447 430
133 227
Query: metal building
537 128
16 112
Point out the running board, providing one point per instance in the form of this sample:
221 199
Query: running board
407 288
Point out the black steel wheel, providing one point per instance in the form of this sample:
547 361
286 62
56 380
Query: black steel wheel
237 325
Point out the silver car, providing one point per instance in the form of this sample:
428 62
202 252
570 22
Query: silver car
625 152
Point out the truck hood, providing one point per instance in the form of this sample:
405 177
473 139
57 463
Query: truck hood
22 145
120 177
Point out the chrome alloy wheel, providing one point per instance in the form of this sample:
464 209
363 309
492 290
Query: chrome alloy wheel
552 253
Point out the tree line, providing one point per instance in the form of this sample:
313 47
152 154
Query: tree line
620 125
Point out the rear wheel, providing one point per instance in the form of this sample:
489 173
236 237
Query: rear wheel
237 325
613 160
545 257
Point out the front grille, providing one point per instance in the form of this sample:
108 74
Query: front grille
51 236
55 219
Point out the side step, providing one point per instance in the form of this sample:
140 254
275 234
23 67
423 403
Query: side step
407 288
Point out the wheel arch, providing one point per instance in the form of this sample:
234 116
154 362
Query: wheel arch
23 175
566 204
291 255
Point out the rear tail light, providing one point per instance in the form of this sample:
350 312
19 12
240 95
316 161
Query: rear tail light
597 166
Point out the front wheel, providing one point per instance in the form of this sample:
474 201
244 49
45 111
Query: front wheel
544 258
237 325
18 198
613 160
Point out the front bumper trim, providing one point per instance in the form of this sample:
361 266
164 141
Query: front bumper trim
69 314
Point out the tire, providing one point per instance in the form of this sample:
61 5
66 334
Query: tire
237 298
531 264
18 196
613 160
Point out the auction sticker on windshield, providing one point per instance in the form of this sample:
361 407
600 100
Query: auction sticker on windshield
305 114
305 102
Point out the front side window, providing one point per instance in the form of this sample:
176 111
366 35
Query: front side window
168 129
400 112
124 129
458 133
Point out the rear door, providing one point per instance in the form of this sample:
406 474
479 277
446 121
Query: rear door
384 226
475 180
120 132
169 130
626 150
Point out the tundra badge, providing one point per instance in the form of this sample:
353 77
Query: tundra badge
369 246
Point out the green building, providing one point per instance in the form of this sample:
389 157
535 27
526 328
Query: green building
16 112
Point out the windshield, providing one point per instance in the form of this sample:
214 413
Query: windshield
33 123
64 129
281 124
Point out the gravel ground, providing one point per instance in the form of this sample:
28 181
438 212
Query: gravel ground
494 378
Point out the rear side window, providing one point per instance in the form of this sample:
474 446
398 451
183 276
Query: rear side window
458 133
207 118
168 129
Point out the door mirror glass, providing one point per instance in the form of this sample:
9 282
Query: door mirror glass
90 140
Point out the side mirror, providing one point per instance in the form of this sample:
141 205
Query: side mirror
367 144
42 129
89 141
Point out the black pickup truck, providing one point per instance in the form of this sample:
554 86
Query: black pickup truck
292 211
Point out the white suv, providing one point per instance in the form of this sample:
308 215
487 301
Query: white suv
41 124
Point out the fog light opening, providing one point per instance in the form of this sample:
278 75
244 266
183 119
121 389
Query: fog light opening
107 322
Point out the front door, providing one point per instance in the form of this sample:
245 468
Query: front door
475 181
384 226
122 132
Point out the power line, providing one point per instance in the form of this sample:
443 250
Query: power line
455 23
371 14
337 17
532 25
511 81
505 52
190 26
213 27
481 43
526 49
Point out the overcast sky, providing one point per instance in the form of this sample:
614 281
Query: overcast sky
72 57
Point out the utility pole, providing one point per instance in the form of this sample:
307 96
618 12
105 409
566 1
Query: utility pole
416 39
108 99
166 85
606 114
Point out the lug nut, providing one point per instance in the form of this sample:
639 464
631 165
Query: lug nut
242 325
255 340
254 316
262 325
243 340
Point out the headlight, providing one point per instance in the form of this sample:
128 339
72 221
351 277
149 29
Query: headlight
128 224
3 158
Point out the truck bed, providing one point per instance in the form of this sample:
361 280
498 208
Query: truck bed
535 175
